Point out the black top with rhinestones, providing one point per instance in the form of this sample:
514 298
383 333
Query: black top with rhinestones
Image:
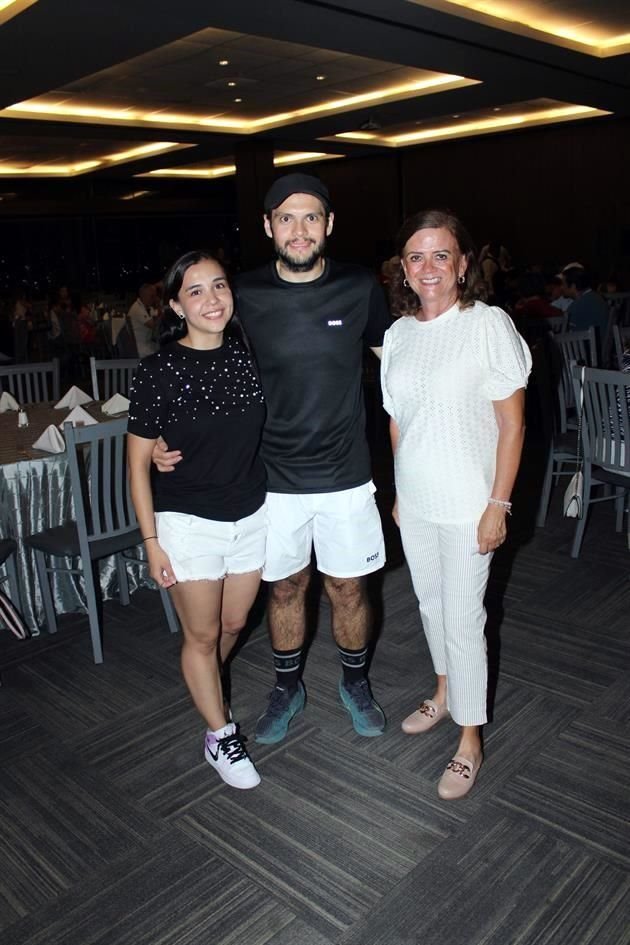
209 405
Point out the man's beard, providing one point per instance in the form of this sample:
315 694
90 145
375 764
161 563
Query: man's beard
302 263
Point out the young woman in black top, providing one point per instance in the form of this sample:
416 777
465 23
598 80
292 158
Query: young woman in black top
204 524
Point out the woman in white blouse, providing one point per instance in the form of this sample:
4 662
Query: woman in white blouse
454 372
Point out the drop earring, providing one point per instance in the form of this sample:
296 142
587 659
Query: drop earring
405 283
461 280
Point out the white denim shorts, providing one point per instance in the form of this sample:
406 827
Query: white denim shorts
201 549
344 528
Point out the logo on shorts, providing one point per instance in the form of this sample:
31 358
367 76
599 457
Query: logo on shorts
334 322
372 557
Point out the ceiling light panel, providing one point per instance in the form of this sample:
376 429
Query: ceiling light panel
599 29
510 117
276 81
61 157
11 8
227 169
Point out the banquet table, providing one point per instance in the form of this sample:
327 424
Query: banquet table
35 494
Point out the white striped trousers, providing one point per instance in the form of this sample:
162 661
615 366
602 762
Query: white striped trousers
450 577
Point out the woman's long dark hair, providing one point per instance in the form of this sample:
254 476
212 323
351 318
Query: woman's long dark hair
404 300
174 328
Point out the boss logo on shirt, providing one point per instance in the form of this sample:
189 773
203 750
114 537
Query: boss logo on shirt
334 322
372 557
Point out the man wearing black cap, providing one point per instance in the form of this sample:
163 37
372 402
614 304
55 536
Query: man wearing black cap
307 318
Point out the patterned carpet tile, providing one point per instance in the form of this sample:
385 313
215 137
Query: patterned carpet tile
20 732
325 879
69 694
155 755
493 882
577 786
59 822
594 594
550 655
371 796
176 893
615 704
324 833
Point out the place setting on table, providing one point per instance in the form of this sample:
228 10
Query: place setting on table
35 490
38 429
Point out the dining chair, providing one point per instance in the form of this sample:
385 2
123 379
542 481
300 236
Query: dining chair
575 347
8 547
605 397
31 383
9 613
558 323
112 376
105 525
621 339
560 447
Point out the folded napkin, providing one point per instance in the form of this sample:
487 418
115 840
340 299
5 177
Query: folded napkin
8 402
51 440
78 417
116 404
73 398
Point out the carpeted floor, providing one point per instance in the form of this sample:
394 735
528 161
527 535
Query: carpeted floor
114 831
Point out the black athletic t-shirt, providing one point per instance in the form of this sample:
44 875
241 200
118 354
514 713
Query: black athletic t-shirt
308 342
209 405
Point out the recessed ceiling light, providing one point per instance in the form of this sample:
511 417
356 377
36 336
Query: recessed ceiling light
238 99
496 109
455 116
320 78
231 84
224 62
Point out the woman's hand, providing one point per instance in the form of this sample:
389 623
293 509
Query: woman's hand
159 565
164 459
395 512
492 528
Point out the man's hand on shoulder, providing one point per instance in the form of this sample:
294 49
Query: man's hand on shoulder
165 459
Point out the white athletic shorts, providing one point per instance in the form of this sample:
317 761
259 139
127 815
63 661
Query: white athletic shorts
201 549
344 527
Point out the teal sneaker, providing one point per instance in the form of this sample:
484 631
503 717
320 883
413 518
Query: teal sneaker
273 724
367 716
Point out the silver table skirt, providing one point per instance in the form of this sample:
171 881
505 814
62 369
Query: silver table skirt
35 494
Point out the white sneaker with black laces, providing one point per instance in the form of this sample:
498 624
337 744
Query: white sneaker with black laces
225 751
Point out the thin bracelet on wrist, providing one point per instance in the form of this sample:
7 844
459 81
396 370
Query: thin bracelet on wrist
502 503
149 537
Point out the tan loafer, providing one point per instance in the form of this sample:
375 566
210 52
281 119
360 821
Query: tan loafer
424 718
458 778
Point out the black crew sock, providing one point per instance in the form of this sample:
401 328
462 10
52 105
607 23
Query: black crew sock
288 665
353 663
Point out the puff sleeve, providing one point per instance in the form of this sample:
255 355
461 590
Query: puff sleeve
502 353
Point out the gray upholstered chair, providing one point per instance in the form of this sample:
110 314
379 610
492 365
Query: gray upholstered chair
31 383
560 446
605 397
105 524
112 376
621 340
575 347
